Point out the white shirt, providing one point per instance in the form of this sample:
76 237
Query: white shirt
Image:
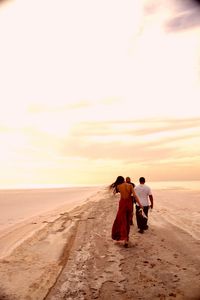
143 192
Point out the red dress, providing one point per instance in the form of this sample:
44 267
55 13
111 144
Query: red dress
121 225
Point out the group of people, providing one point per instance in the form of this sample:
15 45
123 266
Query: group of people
139 196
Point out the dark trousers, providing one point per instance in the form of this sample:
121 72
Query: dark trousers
141 221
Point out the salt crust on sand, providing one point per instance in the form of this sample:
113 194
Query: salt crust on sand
73 257
24 212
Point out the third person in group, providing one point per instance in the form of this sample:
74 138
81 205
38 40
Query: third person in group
128 180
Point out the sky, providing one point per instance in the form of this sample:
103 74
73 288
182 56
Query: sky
90 90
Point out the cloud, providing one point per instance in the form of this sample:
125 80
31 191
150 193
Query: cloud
3 2
183 21
46 156
175 15
142 140
134 127
36 108
154 141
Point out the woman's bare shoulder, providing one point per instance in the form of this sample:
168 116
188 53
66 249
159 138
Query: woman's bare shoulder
120 186
124 186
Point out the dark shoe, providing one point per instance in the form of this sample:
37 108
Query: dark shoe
126 245
146 227
141 231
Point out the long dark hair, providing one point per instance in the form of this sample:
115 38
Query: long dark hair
113 186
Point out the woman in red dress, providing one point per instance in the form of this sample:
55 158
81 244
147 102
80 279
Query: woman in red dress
121 225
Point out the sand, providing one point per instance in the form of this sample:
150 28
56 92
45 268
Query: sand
25 211
74 257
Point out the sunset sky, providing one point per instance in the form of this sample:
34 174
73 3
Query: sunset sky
90 90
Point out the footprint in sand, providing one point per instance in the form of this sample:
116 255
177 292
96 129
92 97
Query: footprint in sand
159 259
172 295
111 260
145 262
152 265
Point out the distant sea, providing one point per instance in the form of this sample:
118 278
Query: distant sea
178 185
45 186
175 185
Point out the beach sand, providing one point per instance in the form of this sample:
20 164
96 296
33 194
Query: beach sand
74 257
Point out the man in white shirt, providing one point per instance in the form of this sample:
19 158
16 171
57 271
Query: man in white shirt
146 199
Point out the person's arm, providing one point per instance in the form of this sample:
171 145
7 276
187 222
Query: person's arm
151 199
136 197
